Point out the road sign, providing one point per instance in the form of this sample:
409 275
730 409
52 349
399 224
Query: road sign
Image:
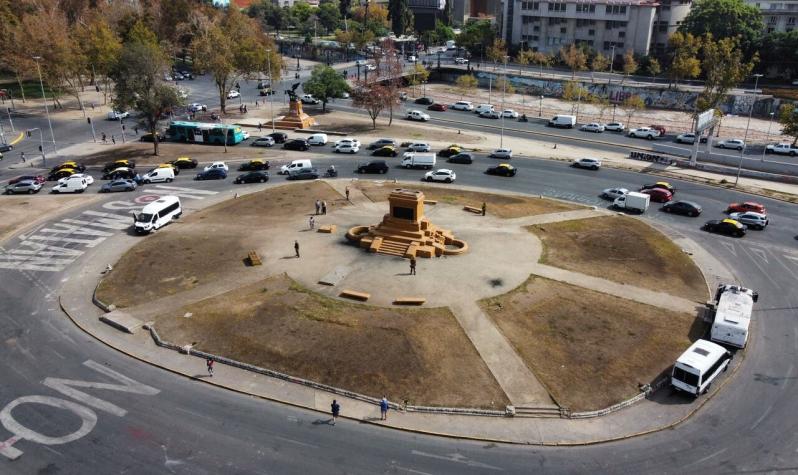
705 120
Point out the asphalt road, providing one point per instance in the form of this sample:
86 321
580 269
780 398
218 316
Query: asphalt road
192 428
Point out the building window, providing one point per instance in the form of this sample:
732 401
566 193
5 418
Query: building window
616 10
621 34
535 5
663 29
583 8
563 30
591 33
557 7
791 20
536 28
773 20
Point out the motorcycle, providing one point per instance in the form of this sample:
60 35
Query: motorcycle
331 173
523 118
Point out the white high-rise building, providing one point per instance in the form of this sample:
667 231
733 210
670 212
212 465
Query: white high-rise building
778 16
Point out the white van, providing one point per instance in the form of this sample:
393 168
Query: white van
295 165
318 139
732 308
159 175
697 367
565 121
74 184
158 214
483 108
463 106
418 160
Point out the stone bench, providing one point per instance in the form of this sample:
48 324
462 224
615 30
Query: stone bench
355 295
254 259
472 209
327 228
410 301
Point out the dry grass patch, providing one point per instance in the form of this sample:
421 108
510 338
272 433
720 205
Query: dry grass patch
589 349
417 354
19 210
208 245
503 206
623 250
400 128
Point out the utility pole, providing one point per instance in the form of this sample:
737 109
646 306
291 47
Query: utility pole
46 109
745 137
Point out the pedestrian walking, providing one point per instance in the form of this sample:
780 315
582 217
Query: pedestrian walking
335 408
296 248
105 138
412 266
92 106
113 139
209 364
256 103
311 222
136 129
384 409
484 208
347 193
245 108
22 156
323 207
260 126
318 206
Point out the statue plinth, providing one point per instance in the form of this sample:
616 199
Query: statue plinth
296 118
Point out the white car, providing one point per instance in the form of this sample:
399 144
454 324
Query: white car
613 193
502 153
263 142
118 115
217 165
412 59
348 141
735 144
460 61
309 99
371 67
89 179
685 138
445 175
182 93
644 133
233 94
196 107
782 149
614 127
419 147
593 127
245 134
483 108
463 106
167 77
417 115
510 114
347 148
751 219
589 163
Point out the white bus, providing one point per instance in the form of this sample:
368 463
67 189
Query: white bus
157 214
697 367
733 305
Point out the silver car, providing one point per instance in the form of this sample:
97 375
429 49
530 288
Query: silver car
263 142
118 185
751 219
25 186
613 193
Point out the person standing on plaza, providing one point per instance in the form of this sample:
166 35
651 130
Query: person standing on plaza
335 408
311 222
209 365
412 266
347 193
384 408
323 207
318 206
484 208
296 248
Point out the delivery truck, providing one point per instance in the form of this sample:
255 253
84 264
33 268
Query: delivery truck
632 201
732 314
418 160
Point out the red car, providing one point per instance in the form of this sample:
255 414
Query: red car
437 107
658 195
37 178
747 206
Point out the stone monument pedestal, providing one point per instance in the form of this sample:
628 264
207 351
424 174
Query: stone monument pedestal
296 118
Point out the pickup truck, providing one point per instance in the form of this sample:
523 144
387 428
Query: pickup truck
632 201
782 149
417 115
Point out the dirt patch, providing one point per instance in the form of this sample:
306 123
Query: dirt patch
207 245
503 206
623 250
589 349
21 211
420 355
401 129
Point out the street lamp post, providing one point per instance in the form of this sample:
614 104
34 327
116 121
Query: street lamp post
504 89
46 109
540 107
271 85
764 149
8 111
614 106
41 142
748 124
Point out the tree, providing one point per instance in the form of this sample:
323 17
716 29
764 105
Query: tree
329 16
788 118
726 19
629 64
420 75
497 52
574 57
465 84
324 84
598 64
683 53
632 105
502 84
573 92
443 32
724 68
779 53
477 36
371 96
653 67
101 47
344 6
523 57
393 67
138 84
541 59
399 14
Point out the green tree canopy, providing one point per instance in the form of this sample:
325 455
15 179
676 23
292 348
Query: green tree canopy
476 37
724 68
788 118
726 19
324 84
329 16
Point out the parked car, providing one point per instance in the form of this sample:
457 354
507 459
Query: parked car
419 147
751 219
589 163
728 227
449 151
464 158
254 165
297 144
444 174
278 137
381 143
304 174
437 107
612 193
212 174
252 177
735 144
217 165
424 101
658 195
746 206
386 151
490 115
503 169
502 153
687 208
463 106
24 186
184 162
37 178
374 166
644 133
509 114
118 185
592 127
309 99
614 127
660 184
118 115
233 94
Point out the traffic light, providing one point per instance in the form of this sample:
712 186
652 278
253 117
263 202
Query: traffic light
29 133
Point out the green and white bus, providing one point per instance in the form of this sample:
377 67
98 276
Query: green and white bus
203 132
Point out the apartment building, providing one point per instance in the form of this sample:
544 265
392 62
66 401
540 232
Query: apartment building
606 26
668 17
778 16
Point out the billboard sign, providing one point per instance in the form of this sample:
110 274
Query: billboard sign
705 120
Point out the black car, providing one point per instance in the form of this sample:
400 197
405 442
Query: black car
121 174
184 162
212 174
254 165
110 166
374 166
465 158
687 208
5 147
386 151
279 137
252 177
502 170
297 144
304 174
728 227
425 101
77 167
449 151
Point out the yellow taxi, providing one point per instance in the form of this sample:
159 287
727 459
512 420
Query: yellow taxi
184 162
502 169
254 165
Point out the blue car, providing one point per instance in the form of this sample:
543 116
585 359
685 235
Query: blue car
212 174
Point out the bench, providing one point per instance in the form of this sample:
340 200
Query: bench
355 295
410 301
430 202
254 259
327 228
472 209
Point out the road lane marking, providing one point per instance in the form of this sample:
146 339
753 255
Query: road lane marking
730 246
18 139
762 417
304 444
457 458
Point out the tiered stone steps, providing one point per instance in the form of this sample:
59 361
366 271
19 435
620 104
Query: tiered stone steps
393 248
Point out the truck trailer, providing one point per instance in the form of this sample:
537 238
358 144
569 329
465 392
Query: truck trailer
732 314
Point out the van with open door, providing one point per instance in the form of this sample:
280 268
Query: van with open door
158 214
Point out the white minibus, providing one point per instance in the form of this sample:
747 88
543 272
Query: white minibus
697 367
157 214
